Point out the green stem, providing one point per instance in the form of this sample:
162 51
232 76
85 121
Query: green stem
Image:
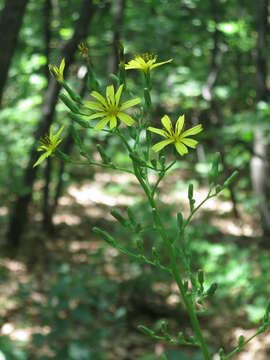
108 166
239 348
174 265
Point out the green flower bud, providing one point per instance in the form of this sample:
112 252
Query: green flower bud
92 83
74 96
154 163
180 221
76 136
114 78
221 353
105 158
190 191
164 327
219 188
201 277
108 238
63 156
79 120
211 291
69 103
241 340
146 330
147 98
119 217
162 160
231 179
139 244
215 168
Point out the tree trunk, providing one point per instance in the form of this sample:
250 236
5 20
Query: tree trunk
46 218
11 18
118 14
259 167
18 217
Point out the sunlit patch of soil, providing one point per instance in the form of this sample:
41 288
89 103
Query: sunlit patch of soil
89 203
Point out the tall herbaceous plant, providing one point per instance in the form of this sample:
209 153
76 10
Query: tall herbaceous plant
109 110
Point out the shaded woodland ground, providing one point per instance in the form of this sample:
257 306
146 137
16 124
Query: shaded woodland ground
53 276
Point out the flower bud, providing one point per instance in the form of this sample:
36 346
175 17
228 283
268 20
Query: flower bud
180 221
76 136
201 277
69 103
119 217
74 96
147 98
211 291
108 238
231 179
105 158
215 168
146 330
79 120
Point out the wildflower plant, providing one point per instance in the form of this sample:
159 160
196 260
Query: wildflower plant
107 113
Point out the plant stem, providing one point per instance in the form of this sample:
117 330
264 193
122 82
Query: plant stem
173 264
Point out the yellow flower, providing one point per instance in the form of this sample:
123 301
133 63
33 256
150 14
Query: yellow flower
179 138
110 109
48 144
145 62
58 73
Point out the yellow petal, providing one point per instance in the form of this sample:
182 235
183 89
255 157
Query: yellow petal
99 97
125 118
158 131
160 145
161 63
166 122
132 64
97 115
189 142
100 125
93 105
62 66
192 131
179 124
181 148
40 159
59 132
118 94
113 122
110 94
130 103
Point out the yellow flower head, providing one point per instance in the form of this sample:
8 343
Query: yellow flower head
178 137
58 73
110 109
48 145
83 49
146 63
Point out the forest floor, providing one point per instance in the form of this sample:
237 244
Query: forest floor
26 282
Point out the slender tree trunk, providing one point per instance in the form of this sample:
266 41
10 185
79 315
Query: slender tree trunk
18 216
118 8
47 226
11 18
259 167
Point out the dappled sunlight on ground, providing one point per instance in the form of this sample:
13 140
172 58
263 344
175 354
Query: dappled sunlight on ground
88 204
96 195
